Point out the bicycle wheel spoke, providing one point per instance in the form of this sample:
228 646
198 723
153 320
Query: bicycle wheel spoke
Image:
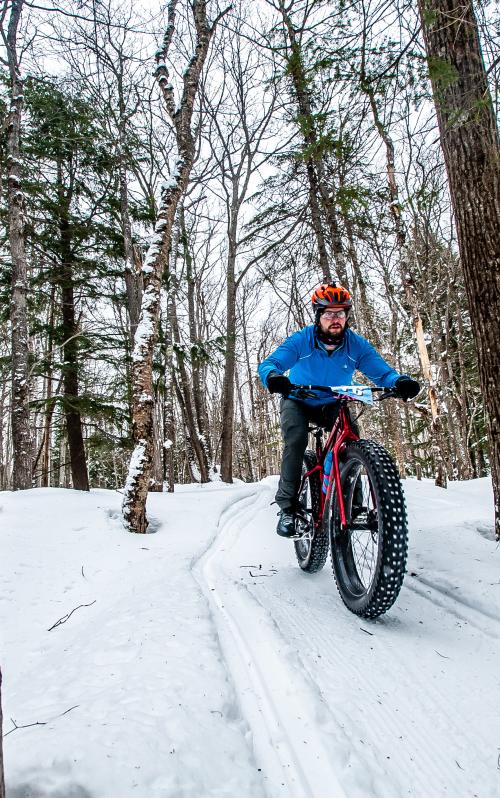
363 560
362 541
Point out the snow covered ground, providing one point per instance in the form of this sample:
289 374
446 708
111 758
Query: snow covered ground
200 661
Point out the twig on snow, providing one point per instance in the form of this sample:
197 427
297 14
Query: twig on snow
271 573
24 726
38 722
68 616
441 655
366 631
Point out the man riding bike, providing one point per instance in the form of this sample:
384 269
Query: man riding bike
326 353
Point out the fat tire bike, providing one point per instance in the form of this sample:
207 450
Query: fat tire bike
356 509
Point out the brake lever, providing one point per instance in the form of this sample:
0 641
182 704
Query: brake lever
302 393
389 394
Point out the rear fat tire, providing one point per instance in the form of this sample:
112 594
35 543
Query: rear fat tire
312 554
392 532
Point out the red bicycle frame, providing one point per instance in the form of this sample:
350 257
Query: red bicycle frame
341 432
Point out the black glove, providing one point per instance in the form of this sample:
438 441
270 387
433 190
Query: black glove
278 383
406 388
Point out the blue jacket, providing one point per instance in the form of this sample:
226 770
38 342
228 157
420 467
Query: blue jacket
309 363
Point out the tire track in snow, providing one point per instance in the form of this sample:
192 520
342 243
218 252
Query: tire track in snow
359 701
376 715
444 598
278 703
388 702
398 704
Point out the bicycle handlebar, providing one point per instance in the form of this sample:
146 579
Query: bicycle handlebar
305 391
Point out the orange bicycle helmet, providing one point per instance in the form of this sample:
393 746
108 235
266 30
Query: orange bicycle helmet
328 295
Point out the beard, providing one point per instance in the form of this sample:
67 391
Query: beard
331 336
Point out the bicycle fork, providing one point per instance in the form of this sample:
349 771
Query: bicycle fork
341 432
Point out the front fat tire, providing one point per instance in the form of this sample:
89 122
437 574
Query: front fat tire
392 533
312 554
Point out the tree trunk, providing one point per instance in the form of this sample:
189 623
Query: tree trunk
20 416
245 431
168 403
189 415
229 363
136 487
132 276
44 452
199 393
469 139
79 474
156 479
192 466
3 460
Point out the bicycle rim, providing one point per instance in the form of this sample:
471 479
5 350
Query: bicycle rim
305 521
311 548
360 543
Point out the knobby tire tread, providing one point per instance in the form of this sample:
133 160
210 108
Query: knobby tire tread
391 509
318 552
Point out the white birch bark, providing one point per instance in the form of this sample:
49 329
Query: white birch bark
137 484
20 416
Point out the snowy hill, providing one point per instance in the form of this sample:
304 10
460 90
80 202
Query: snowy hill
200 661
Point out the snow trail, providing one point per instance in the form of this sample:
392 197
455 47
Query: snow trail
343 706
279 705
207 664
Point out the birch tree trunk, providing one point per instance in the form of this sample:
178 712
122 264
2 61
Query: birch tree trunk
169 429
20 415
4 390
469 139
137 484
168 404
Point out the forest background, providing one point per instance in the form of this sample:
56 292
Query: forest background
174 182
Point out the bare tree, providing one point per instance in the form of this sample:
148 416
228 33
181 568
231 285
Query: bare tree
321 195
113 72
240 124
21 437
368 87
136 488
469 139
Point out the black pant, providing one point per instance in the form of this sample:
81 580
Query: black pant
295 419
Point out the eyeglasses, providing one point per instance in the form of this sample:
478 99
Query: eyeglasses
333 314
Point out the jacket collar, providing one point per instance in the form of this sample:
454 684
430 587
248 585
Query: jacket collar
319 345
